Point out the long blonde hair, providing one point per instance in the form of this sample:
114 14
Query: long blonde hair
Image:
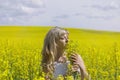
49 49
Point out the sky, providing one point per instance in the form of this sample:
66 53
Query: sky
87 14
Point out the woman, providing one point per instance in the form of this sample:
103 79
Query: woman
54 61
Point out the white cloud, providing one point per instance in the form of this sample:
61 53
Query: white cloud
13 10
105 5
28 10
63 16
115 5
10 18
85 13
38 2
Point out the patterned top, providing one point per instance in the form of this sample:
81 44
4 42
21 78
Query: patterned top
60 68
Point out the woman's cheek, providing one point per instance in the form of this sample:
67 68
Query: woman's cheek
62 42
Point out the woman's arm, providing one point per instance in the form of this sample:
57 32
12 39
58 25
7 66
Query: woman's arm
77 60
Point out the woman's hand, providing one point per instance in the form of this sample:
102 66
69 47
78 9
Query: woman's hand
77 60
62 59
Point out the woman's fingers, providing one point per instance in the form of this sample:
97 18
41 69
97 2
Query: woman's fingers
73 60
62 59
74 55
75 68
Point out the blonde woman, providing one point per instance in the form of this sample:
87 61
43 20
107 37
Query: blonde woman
54 61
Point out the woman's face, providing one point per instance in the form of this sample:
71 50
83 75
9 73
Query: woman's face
63 40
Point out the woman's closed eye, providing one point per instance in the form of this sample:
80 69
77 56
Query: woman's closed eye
62 38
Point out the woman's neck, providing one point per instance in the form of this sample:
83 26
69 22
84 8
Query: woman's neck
59 53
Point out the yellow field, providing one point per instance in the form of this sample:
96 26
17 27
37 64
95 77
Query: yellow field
20 49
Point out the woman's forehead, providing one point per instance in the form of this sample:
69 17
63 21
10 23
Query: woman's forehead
63 33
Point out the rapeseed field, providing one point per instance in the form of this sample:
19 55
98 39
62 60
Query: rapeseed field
20 52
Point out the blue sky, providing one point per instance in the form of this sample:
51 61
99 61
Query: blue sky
90 14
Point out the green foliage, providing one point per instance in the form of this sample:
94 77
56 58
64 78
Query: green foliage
72 47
